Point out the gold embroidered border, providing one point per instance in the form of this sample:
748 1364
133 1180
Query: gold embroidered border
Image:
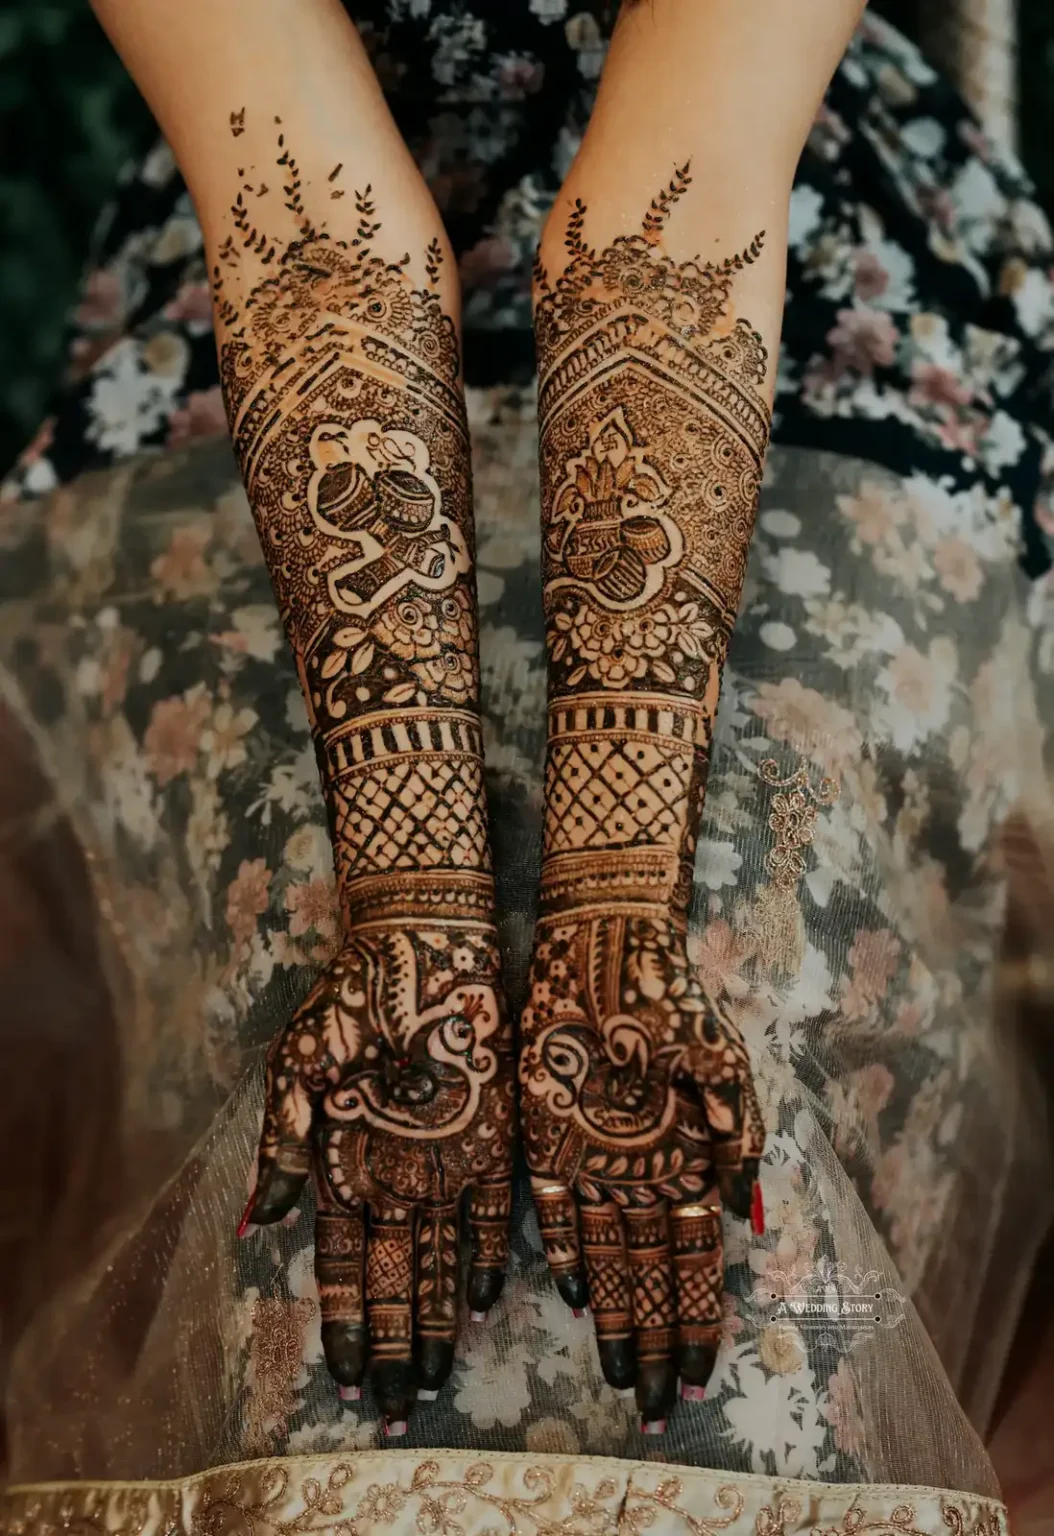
490 1494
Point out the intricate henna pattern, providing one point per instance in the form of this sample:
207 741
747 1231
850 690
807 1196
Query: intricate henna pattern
636 1094
393 1082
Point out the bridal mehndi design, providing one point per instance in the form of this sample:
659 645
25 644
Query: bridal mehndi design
393 1085
639 1112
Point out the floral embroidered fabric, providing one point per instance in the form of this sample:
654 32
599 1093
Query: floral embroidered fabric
510 1495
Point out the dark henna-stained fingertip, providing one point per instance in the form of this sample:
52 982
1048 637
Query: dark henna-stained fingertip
275 1196
737 1187
434 1359
656 1389
395 1390
618 1362
696 1363
484 1288
344 1346
574 1290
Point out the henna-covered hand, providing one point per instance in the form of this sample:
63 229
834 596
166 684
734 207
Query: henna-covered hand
394 1081
638 1106
639 1114
394 1084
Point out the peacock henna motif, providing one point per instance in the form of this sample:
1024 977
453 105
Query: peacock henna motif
392 1086
638 1108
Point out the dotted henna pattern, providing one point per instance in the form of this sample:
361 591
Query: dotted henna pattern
393 1084
636 1094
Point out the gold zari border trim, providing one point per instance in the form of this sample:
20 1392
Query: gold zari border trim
392 1493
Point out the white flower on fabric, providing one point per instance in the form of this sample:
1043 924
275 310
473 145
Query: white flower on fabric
806 205
129 790
798 573
223 739
492 1384
776 1415
180 235
40 477
780 524
583 35
1033 298
489 587
349 1432
308 850
254 632
1003 443
718 864
125 403
159 165
918 691
924 136
778 636
300 1273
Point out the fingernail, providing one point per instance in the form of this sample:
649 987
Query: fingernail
692 1394
291 1218
757 1211
245 1226
653 1426
427 1394
350 1394
579 1311
478 1317
393 1428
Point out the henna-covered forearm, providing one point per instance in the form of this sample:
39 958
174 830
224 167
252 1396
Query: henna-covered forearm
653 428
342 385
637 1100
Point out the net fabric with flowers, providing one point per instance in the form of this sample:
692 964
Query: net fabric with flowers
878 730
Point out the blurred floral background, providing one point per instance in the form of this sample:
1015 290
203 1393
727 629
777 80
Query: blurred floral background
70 118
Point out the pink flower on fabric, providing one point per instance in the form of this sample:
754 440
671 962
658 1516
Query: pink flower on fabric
863 340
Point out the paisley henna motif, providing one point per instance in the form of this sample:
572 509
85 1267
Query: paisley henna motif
393 1082
636 1095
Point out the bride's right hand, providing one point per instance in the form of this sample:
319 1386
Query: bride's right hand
393 1085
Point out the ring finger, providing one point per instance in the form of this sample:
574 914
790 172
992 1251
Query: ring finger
654 1312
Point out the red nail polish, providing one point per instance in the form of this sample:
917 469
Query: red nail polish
691 1394
655 1427
579 1311
757 1211
245 1223
394 1427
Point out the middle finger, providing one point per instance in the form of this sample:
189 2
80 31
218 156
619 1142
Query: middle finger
654 1312
389 1293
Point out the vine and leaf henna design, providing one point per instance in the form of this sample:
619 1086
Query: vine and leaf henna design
640 1118
393 1085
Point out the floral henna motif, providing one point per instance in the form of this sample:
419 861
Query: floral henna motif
393 1083
636 1094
